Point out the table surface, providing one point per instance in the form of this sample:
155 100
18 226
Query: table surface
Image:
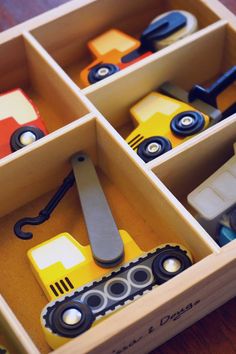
215 333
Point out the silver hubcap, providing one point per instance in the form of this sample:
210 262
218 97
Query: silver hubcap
71 317
27 138
103 71
186 121
153 147
172 265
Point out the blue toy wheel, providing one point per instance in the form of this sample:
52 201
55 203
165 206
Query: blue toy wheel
101 72
170 261
24 136
187 123
71 319
153 147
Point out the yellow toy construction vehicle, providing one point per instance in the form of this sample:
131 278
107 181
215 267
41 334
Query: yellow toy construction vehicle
91 293
115 50
62 264
67 271
163 123
165 120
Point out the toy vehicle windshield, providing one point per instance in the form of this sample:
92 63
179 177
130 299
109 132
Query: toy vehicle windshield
113 40
16 105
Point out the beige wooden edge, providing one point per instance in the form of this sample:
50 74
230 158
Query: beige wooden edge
155 57
15 330
47 60
218 8
132 85
192 295
44 58
189 219
43 18
221 11
60 73
122 143
180 209
194 141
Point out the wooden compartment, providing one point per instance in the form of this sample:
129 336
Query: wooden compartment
147 200
13 335
181 302
212 52
57 104
188 168
70 50
141 213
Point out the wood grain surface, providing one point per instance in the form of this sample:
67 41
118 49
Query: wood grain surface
214 334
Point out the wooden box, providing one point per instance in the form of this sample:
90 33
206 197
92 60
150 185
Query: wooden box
44 56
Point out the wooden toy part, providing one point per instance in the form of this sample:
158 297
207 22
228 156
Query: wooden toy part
172 90
13 335
35 56
217 193
20 122
105 240
108 49
113 40
62 264
215 199
17 105
46 212
190 27
74 314
113 59
154 115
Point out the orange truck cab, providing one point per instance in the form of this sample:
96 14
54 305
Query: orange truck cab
113 50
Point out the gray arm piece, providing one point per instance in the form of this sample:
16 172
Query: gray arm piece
105 240
177 92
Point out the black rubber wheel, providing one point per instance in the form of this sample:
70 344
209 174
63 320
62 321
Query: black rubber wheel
159 144
60 327
232 219
101 72
180 262
187 123
15 141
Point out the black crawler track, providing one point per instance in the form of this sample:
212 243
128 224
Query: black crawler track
145 260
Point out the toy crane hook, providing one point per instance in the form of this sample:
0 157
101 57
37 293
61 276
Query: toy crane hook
45 213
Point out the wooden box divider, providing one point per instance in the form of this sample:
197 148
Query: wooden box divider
44 56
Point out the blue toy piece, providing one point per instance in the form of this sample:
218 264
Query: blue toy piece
163 28
210 94
226 235
3 350
227 231
168 28
46 212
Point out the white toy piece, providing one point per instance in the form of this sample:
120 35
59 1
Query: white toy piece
20 122
216 196
17 105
